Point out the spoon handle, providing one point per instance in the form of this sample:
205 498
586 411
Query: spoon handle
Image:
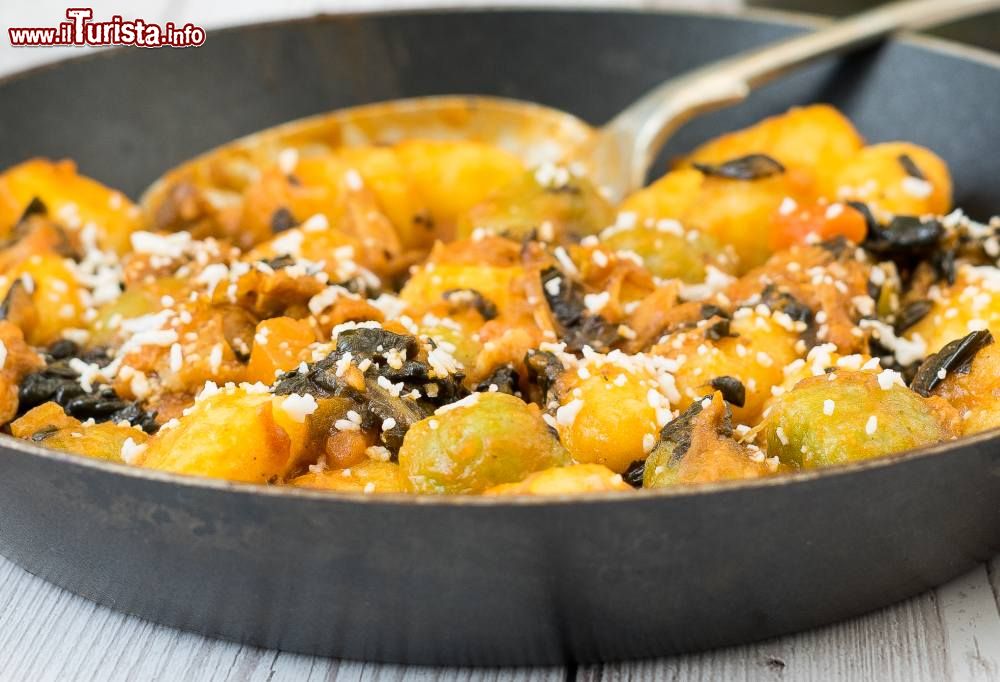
631 140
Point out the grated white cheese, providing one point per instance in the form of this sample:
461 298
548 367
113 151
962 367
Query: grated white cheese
915 187
393 389
343 363
648 442
28 282
289 242
211 276
780 433
715 281
353 180
131 450
346 425
325 299
392 307
546 231
595 302
209 390
566 414
319 467
551 175
172 245
288 159
78 336
89 373
907 351
215 358
565 261
298 407
887 378
871 425
315 223
378 453
442 361
176 358
467 401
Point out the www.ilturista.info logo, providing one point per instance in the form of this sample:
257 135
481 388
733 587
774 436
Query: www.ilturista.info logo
81 30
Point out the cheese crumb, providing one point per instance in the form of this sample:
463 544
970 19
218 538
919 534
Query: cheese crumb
648 442
215 358
566 414
315 223
131 450
288 159
352 423
298 407
378 453
467 401
888 377
780 433
353 180
176 358
169 245
915 187
595 302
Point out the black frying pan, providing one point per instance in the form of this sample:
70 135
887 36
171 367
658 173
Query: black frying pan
480 581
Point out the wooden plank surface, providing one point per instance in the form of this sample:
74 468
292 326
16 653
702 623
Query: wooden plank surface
952 633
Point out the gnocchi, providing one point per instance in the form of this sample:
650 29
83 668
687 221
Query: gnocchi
436 317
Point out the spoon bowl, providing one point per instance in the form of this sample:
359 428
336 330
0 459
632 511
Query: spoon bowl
534 133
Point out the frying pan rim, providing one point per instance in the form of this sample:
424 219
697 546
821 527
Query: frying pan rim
754 15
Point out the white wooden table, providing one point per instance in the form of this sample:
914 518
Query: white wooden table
952 633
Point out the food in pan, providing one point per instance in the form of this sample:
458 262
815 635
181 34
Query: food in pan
435 317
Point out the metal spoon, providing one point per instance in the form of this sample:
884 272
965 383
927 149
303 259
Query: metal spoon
617 155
